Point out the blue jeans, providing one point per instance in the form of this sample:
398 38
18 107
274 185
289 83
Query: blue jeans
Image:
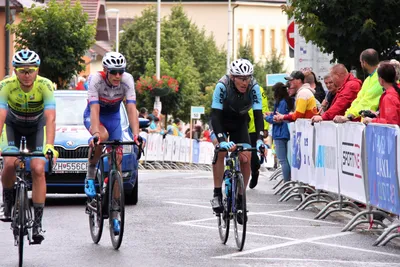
281 153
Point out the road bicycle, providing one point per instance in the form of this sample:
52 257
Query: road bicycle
109 202
21 214
234 209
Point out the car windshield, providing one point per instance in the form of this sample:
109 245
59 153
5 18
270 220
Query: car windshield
70 108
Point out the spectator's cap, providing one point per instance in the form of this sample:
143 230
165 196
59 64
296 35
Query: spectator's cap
295 75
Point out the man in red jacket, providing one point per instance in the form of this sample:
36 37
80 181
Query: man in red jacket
348 85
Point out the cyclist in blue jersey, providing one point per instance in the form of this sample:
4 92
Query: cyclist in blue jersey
233 96
107 89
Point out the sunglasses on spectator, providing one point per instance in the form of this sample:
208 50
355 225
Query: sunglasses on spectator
116 71
26 70
243 78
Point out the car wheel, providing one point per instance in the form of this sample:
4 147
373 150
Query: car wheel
131 197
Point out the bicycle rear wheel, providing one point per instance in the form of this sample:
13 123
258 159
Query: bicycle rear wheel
224 221
95 210
240 212
20 205
116 208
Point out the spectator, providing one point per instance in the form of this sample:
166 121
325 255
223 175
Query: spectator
196 133
156 113
396 65
81 84
389 111
305 101
174 129
309 77
349 86
280 131
154 124
371 90
332 89
86 83
143 113
206 134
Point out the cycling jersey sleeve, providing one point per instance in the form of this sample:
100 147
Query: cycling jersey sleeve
129 85
257 98
216 111
219 96
48 95
3 95
93 91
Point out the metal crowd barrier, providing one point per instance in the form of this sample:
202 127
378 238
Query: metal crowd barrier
346 166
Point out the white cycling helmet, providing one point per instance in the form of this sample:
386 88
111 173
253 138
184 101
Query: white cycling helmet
114 60
25 57
241 67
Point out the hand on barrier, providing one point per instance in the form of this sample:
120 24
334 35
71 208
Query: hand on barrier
226 145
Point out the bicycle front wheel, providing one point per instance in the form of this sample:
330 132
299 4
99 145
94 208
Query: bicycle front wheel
95 210
116 209
224 220
240 212
20 205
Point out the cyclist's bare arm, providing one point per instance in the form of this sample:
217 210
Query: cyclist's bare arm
95 119
50 115
133 118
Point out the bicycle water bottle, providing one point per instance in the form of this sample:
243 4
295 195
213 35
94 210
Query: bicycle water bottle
228 183
105 184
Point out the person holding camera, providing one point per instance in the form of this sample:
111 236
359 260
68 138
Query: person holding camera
389 111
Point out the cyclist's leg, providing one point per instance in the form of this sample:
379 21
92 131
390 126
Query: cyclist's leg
241 135
218 173
35 143
255 163
90 189
8 140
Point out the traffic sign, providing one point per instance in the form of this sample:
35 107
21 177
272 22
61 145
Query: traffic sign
290 34
195 112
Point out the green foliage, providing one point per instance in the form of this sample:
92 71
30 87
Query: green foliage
60 34
187 54
346 28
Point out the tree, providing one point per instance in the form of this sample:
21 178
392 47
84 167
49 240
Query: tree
187 54
346 28
60 34
273 64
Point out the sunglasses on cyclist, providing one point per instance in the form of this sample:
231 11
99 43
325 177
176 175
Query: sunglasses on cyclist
243 78
26 70
115 72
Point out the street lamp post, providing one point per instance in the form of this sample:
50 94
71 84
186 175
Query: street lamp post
157 102
114 10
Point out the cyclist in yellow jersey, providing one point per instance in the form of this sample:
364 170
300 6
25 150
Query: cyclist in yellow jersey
27 108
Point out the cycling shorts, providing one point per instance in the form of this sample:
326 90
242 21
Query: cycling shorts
238 133
112 123
35 136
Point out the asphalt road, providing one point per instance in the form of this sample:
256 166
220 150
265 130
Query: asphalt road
173 225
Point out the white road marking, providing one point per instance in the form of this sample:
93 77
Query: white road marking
296 218
290 243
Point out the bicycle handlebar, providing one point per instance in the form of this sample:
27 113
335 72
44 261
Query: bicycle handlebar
239 148
117 143
32 154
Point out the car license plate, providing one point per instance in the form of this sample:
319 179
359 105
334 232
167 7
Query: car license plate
70 167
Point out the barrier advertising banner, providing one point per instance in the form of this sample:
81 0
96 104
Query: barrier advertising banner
302 152
382 167
168 142
195 151
351 176
326 166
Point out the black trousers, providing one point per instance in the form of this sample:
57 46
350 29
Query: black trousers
255 162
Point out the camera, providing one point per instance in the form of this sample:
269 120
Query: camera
367 113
